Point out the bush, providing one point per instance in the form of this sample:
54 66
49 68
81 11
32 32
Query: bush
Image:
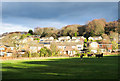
35 55
45 52
78 55
88 52
25 55
36 39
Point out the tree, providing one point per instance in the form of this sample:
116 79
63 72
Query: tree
96 27
54 49
46 32
45 52
30 31
85 41
39 31
114 45
111 26
113 36
75 34
23 36
106 38
69 30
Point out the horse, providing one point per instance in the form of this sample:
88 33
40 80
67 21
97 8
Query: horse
89 55
99 55
81 56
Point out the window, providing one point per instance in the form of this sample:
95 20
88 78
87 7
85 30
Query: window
108 45
73 46
11 48
64 47
100 45
109 50
79 48
59 46
23 50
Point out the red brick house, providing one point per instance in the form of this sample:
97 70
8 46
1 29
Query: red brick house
105 47
101 47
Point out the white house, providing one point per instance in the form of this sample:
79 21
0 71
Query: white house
64 38
119 37
47 39
33 49
95 38
94 47
79 37
25 40
80 47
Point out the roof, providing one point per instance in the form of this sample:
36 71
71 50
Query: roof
69 48
104 42
68 43
64 37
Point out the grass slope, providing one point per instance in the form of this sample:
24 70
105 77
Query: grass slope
62 68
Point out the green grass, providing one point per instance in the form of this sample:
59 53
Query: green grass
62 68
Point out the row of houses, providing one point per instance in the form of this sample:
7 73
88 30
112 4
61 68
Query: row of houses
68 38
64 48
66 45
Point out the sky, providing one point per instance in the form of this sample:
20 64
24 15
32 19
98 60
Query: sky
22 16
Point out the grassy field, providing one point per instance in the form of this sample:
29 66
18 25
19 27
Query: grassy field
61 68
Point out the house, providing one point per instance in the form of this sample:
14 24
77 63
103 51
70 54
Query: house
2 50
47 39
25 40
23 47
79 37
75 40
33 49
93 47
102 47
47 46
18 32
6 50
9 54
64 38
118 46
69 48
5 34
1 37
119 37
105 47
95 38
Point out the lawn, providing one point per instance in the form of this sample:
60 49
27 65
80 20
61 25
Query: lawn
61 68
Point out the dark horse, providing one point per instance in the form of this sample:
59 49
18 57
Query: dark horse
99 55
89 55
81 56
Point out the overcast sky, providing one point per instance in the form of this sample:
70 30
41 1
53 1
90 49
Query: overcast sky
22 16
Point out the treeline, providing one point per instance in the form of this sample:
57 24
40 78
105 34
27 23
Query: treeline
96 27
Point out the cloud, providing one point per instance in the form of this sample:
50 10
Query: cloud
60 0
32 23
47 10
4 27
54 14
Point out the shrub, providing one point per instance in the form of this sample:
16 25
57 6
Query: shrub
25 55
36 39
77 55
35 55
45 52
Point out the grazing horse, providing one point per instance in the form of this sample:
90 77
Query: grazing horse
89 55
81 56
99 55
